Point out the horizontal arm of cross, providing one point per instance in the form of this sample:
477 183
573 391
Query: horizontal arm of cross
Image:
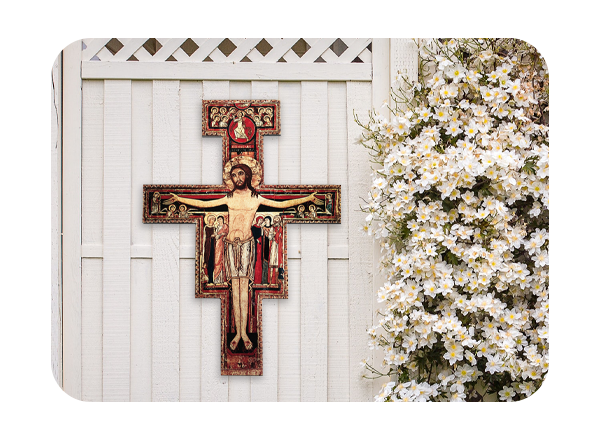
204 198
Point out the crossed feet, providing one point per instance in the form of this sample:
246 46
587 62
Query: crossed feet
234 343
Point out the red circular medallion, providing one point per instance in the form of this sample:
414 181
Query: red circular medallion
241 129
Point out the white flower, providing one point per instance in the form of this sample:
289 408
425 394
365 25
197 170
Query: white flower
401 125
379 183
471 129
487 93
386 390
507 393
454 352
436 80
445 285
526 388
494 364
472 77
456 72
429 288
441 114
448 91
451 204
541 259
424 113
514 87
453 129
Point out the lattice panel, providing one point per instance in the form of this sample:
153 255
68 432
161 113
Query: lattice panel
229 50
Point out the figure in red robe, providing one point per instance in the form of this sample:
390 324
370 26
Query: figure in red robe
257 234
276 251
220 233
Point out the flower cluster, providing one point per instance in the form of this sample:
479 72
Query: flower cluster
460 201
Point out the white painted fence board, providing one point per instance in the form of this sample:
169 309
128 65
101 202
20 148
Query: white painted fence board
288 374
141 330
384 73
165 238
218 71
191 334
289 151
313 238
92 163
91 330
268 90
116 240
191 307
337 237
212 150
381 74
403 58
141 158
337 165
71 219
360 265
338 335
240 90
92 203
55 222
191 133
141 237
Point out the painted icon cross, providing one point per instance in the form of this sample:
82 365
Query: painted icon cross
241 246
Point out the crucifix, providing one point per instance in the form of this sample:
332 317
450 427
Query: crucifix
241 245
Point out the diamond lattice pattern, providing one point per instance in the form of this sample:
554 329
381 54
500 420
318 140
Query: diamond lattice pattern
229 50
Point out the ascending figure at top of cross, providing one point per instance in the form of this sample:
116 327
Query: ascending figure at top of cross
240 254
240 130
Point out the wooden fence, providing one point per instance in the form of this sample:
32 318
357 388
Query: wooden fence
126 325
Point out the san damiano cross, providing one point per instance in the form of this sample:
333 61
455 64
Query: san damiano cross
241 246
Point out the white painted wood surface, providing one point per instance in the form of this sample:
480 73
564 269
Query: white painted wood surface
133 329
71 220
216 71
175 338
55 222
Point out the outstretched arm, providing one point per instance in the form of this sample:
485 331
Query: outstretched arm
288 203
195 202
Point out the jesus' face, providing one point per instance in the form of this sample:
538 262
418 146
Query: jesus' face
238 176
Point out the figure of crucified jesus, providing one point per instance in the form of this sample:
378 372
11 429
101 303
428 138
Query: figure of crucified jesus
240 255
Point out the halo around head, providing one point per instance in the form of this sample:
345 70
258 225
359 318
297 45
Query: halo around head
246 160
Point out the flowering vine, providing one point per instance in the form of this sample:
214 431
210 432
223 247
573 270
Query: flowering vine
460 203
